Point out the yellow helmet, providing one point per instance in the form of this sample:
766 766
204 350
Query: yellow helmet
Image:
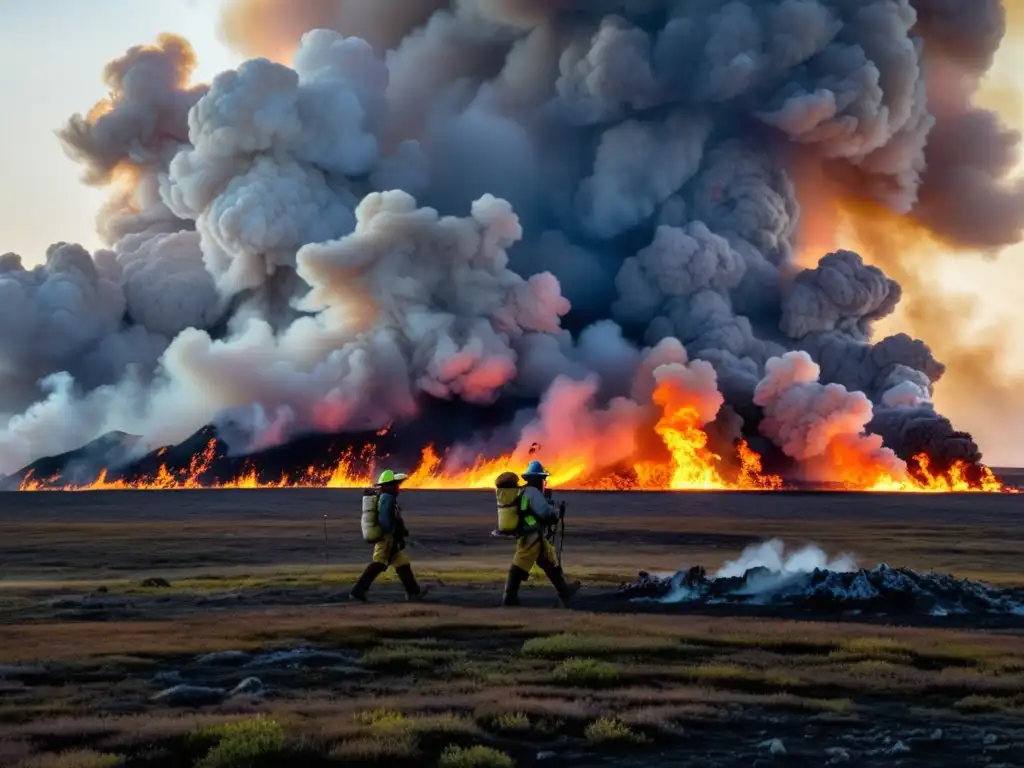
387 476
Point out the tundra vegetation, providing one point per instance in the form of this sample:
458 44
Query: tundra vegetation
262 663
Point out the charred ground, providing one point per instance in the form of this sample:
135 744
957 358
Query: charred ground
109 599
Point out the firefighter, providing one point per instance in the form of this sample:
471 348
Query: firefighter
384 527
536 513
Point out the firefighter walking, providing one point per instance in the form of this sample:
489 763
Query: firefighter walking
526 513
383 526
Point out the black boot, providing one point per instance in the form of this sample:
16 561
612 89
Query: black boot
565 590
516 576
373 570
413 591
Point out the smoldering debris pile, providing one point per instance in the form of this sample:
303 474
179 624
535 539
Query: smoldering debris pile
821 590
879 590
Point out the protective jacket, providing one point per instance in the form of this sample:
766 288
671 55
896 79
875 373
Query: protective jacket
387 512
383 526
533 547
533 504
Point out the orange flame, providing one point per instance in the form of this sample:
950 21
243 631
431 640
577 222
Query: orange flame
957 479
691 467
688 464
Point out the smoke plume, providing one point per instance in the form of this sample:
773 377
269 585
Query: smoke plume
971 200
821 425
584 213
773 556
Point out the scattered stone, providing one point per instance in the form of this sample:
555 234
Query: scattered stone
546 755
20 672
990 739
348 670
118 707
225 658
89 603
156 583
251 686
307 657
774 746
102 590
937 735
837 755
65 602
226 598
168 677
899 748
190 696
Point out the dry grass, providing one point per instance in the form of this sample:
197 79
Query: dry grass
243 744
565 644
474 757
609 730
73 758
585 672
510 722
392 735
983 704
409 656
445 677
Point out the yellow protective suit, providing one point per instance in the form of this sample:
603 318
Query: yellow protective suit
386 553
388 549
533 549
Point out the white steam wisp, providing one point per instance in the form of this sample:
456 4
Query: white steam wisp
773 556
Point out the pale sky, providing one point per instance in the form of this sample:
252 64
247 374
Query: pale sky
51 65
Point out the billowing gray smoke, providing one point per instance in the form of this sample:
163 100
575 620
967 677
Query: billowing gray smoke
437 211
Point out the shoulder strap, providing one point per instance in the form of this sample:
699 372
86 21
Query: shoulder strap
526 516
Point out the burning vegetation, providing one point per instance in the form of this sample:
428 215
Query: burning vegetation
685 462
352 471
